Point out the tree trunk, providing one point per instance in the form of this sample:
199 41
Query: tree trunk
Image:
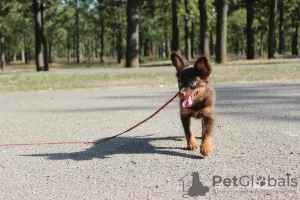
192 40
25 48
281 27
119 37
295 40
102 41
271 34
101 35
7 55
112 50
187 31
77 32
236 46
50 42
50 51
166 45
175 29
38 37
23 55
29 55
151 49
211 44
221 50
146 47
74 46
94 49
160 51
242 42
132 48
204 45
44 41
141 41
261 46
250 32
295 26
119 47
1 52
68 46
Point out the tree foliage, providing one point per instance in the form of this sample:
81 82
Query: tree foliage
102 29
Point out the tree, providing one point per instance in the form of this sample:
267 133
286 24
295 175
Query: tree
119 35
281 27
88 30
77 31
250 31
62 29
102 37
221 42
44 41
3 12
55 22
1 53
295 26
40 40
261 25
132 48
175 28
193 40
237 22
101 11
204 44
211 44
156 27
187 31
271 33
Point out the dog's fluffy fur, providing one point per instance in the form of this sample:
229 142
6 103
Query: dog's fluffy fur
193 85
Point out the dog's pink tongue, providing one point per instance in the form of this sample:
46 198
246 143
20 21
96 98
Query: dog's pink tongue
187 102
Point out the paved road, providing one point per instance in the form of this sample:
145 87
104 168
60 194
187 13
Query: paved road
257 133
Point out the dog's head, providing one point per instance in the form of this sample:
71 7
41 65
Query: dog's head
192 81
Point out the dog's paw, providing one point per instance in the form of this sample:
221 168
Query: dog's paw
205 149
192 145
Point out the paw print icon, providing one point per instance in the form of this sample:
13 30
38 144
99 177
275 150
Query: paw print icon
261 181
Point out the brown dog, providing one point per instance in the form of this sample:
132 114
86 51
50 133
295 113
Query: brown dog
196 100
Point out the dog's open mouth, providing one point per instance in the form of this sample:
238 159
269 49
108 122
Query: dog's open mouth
188 102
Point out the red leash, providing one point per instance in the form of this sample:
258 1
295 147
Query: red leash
99 141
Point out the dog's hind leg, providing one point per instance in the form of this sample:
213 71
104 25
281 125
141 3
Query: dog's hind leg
189 135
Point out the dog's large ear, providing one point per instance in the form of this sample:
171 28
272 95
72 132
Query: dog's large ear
177 60
203 67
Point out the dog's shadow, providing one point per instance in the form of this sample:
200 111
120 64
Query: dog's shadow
126 145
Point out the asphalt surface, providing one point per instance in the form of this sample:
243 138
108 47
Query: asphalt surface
257 133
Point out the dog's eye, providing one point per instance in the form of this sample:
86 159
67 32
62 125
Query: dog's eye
179 84
192 84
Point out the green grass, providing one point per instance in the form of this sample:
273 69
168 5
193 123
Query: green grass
56 82
20 68
220 75
235 74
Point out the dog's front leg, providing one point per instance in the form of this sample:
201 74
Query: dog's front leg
207 133
189 135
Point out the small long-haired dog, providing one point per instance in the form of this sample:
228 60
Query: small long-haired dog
196 100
